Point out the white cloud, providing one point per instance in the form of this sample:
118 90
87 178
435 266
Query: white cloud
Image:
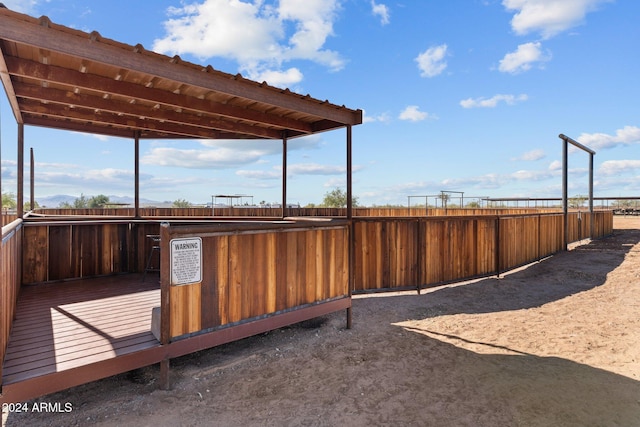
413 113
616 167
260 36
493 101
431 62
22 6
555 165
600 141
532 156
261 175
315 169
278 78
382 117
382 11
523 58
488 181
229 154
213 154
548 17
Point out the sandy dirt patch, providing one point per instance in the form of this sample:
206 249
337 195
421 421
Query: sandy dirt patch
555 343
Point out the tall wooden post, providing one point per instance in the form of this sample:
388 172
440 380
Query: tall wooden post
350 218
284 174
20 200
32 187
136 167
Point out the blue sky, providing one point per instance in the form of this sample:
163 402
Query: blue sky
461 95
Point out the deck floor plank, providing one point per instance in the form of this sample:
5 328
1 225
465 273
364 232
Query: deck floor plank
62 326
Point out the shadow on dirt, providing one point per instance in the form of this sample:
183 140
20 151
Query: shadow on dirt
563 274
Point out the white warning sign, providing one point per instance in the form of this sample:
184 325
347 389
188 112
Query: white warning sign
186 261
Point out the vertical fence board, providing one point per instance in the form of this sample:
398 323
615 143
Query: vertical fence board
35 255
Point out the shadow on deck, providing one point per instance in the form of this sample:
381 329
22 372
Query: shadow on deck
67 334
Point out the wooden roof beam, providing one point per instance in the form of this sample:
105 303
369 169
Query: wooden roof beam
34 70
81 45
56 112
8 87
95 103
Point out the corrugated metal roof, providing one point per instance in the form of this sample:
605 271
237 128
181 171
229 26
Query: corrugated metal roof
64 78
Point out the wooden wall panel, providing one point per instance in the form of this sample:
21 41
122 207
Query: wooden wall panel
59 260
10 255
258 273
486 250
185 309
223 278
36 254
434 254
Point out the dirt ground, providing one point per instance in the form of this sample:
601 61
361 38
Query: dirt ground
552 344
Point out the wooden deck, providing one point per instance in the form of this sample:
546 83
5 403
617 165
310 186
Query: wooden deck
70 333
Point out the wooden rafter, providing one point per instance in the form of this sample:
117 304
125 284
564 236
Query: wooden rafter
60 77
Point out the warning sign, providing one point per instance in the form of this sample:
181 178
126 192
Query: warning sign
186 261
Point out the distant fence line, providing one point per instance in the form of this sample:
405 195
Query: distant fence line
290 212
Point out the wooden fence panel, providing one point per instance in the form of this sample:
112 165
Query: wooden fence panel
59 263
252 274
35 254
271 212
10 256
519 241
551 234
486 246
60 251
434 252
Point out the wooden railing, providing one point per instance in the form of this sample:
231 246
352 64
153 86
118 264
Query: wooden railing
9 280
254 270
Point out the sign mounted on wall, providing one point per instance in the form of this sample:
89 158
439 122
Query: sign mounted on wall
186 261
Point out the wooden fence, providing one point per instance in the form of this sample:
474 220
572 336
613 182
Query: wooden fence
261 269
9 280
403 253
267 212
389 252
256 270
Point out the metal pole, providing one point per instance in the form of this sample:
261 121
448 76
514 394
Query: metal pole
565 209
591 228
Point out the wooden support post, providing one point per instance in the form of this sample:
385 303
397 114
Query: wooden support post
20 198
32 204
497 247
164 375
284 174
136 167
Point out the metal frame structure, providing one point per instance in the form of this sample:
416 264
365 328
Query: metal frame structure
565 182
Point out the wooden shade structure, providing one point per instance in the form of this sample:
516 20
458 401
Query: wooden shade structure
62 78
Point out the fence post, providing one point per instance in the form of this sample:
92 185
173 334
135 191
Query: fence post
498 246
